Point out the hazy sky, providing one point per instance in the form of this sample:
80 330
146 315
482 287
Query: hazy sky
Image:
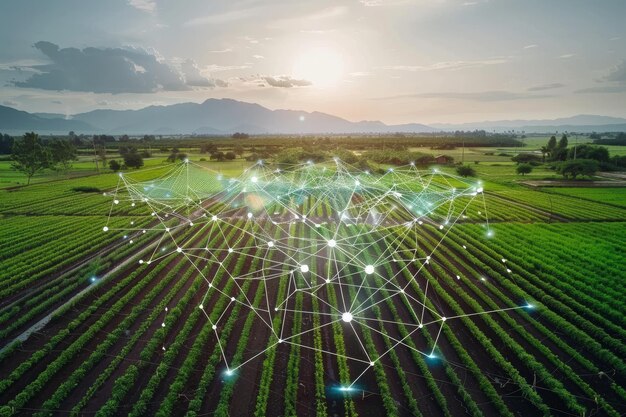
391 60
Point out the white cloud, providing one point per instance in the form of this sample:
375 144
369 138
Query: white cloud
220 51
217 68
566 56
258 57
447 65
531 46
143 5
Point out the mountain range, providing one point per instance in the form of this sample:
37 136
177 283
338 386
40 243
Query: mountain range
226 116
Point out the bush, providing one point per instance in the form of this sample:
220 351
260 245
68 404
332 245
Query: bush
524 169
114 165
465 171
574 168
525 158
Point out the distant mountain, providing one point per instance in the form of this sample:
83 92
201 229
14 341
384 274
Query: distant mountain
582 123
213 117
226 116
17 122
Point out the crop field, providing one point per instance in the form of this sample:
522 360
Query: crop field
134 296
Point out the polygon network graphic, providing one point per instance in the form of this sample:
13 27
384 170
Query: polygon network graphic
306 254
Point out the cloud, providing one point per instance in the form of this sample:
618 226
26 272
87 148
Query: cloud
617 74
285 81
566 56
483 96
193 76
218 68
317 31
224 17
446 65
609 89
220 51
546 87
613 82
359 74
143 5
258 57
9 103
470 3
531 46
378 3
111 70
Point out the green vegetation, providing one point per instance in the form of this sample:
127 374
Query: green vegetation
111 347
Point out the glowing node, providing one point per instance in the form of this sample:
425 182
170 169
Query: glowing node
201 307
163 324
332 243
116 201
328 280
444 318
214 327
479 190
232 298
254 179
140 261
304 268
230 250
347 317
280 340
105 229
372 363
249 215
214 218
508 270
369 269
179 250
270 244
186 160
529 306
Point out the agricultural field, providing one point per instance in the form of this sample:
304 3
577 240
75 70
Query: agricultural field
484 297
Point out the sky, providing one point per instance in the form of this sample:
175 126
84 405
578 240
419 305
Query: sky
398 61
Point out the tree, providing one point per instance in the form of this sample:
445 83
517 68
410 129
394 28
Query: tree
574 168
114 165
524 169
218 156
63 154
230 155
551 144
133 160
465 171
6 144
176 154
525 158
30 155
598 153
239 150
563 142
544 151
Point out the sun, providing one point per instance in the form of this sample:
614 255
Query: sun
322 66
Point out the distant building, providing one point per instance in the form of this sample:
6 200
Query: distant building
444 159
